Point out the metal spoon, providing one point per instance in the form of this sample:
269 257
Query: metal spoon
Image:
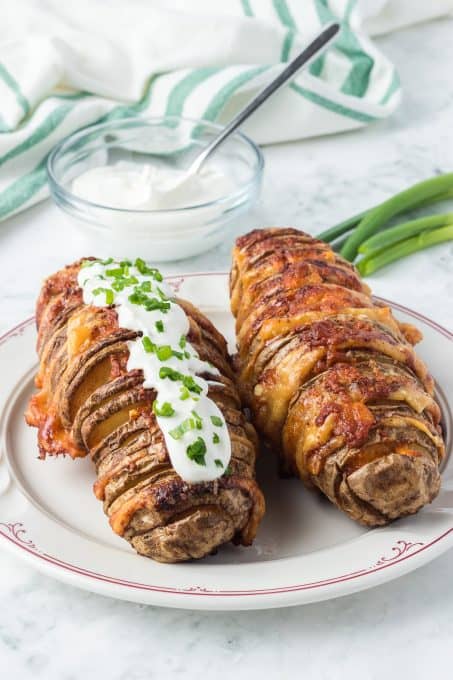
305 57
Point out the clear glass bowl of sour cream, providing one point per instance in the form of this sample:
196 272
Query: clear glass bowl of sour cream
120 184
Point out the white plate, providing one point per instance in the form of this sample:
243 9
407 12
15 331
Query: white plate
305 551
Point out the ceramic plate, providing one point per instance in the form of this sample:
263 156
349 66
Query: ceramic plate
305 551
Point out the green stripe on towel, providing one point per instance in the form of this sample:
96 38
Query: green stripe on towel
221 97
287 45
392 88
357 81
48 125
178 95
14 86
284 14
24 188
335 107
247 8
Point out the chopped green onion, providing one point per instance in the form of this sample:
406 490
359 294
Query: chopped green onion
191 385
138 297
198 420
160 326
147 271
215 438
109 297
215 420
162 294
115 272
184 393
168 372
148 345
122 283
218 462
186 425
187 380
228 471
108 261
166 410
179 431
145 286
197 451
164 352
182 341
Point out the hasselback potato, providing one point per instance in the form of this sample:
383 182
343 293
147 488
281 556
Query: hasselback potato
91 401
332 379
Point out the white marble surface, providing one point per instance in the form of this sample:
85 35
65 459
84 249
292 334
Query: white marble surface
402 629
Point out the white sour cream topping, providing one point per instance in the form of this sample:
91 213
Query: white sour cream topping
193 426
151 187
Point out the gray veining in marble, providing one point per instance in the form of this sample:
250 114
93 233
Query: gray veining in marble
403 629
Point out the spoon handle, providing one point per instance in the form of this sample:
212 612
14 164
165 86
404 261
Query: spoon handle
307 55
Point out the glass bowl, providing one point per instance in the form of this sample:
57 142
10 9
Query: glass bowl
157 235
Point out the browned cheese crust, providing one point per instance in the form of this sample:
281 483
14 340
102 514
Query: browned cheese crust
89 403
332 379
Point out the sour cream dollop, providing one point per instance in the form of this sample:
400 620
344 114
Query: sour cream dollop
194 428
132 186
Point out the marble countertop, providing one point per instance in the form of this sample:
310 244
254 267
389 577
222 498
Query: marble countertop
401 629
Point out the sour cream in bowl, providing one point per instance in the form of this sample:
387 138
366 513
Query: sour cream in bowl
124 186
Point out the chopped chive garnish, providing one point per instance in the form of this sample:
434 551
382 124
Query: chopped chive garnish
197 451
115 272
138 297
198 420
108 261
162 294
218 462
187 354
148 345
170 373
160 326
166 410
184 393
145 286
178 355
186 425
215 439
215 420
191 385
187 380
164 352
147 271
228 471
123 282
109 297
182 341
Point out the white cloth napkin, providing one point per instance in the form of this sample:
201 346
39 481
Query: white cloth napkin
66 65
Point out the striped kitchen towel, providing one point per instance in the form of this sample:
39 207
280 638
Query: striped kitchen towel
66 65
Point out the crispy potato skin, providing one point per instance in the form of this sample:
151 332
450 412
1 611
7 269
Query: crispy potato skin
332 379
89 403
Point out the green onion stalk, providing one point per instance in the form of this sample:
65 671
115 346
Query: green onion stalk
344 227
401 202
403 231
380 258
